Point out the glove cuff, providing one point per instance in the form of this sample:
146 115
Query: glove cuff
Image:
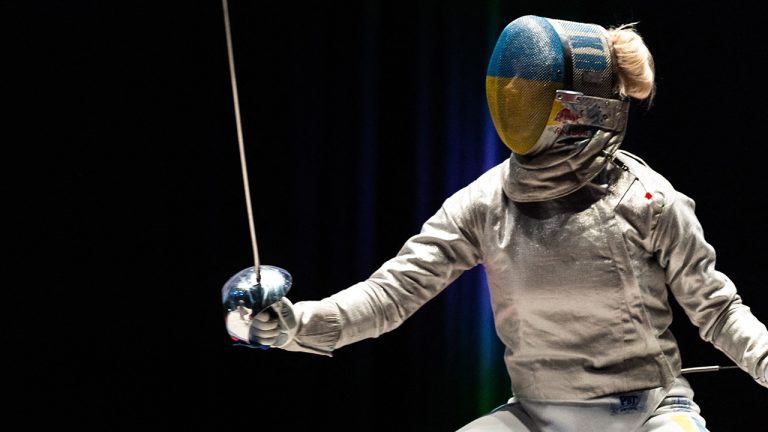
319 327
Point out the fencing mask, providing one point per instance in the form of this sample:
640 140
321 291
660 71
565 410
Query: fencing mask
552 96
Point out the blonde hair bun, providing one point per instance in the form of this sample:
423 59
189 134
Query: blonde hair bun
635 64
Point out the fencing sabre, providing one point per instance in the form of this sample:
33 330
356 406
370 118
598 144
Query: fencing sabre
256 288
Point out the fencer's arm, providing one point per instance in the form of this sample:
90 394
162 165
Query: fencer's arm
708 297
425 265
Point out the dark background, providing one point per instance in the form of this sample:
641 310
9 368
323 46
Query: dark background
125 213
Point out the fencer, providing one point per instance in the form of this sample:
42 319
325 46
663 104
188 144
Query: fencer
581 242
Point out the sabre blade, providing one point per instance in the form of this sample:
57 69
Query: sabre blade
240 141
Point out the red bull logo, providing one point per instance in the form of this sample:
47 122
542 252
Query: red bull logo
565 115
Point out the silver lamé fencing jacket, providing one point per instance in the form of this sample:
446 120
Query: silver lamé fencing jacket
578 284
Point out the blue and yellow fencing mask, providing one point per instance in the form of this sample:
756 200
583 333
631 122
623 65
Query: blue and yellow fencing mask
552 94
533 59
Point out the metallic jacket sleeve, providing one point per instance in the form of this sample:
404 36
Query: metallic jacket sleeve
708 297
427 263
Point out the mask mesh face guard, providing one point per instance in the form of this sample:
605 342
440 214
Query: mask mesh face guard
534 57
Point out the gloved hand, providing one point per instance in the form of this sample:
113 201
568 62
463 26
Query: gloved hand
308 326
273 327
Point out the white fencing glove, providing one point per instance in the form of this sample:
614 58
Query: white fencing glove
273 327
281 326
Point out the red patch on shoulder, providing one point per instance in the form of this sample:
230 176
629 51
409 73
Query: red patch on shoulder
648 195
